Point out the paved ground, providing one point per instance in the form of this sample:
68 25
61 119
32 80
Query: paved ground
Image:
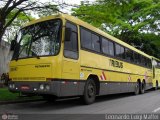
119 103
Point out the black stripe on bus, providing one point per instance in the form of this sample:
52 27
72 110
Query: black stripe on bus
84 80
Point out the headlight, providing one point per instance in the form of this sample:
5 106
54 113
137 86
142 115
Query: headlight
41 87
12 86
47 87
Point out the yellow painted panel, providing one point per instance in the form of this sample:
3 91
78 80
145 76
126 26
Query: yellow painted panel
33 69
123 72
70 69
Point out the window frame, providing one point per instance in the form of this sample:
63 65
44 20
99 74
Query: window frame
76 32
91 32
122 58
109 41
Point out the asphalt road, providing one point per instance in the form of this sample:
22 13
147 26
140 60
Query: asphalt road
118 103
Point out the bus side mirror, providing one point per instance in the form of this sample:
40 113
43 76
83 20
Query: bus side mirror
13 45
68 32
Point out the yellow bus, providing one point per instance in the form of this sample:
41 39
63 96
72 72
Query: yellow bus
62 56
156 72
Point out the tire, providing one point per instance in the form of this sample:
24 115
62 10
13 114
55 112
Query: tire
49 98
89 92
156 87
137 88
142 88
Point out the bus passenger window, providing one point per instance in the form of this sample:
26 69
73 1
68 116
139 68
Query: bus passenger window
111 48
137 58
105 46
129 55
90 40
119 51
122 52
150 63
86 39
158 64
95 43
71 47
143 60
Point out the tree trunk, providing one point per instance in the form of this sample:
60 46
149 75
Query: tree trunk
1 35
2 24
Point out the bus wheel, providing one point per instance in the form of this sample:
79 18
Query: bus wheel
49 98
137 88
142 89
89 92
156 88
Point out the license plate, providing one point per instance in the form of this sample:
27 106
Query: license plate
25 88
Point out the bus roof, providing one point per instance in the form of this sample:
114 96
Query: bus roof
90 27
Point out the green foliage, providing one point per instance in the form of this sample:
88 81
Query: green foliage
15 13
6 95
20 20
133 21
49 10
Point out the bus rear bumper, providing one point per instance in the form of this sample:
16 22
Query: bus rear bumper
58 88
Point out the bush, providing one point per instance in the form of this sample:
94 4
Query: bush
5 78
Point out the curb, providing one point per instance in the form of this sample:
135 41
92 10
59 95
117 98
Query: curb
20 101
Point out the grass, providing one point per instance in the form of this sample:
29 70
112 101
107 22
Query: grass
6 95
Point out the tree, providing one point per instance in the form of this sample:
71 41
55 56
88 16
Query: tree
11 9
11 30
128 20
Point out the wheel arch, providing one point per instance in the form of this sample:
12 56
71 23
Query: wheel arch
139 81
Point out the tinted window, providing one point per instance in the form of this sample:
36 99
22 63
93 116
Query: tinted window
123 52
143 60
120 51
129 54
107 47
158 64
90 40
111 48
71 47
86 39
149 63
137 58
95 43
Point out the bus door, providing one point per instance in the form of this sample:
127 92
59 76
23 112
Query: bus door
70 64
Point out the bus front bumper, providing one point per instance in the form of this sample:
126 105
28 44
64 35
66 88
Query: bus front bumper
58 88
52 88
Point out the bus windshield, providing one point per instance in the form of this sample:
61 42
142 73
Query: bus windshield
41 39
